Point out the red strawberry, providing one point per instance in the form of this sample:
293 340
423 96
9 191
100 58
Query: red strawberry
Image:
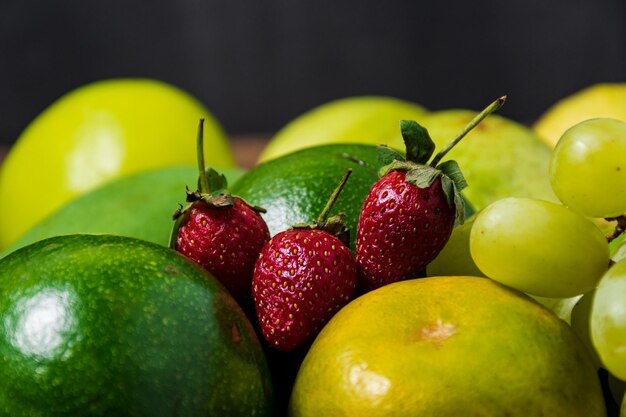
221 232
302 277
408 215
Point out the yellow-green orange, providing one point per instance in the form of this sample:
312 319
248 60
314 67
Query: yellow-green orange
95 133
597 100
499 158
446 346
373 120
113 326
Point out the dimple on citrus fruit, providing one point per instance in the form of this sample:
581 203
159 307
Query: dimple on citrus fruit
446 346
95 133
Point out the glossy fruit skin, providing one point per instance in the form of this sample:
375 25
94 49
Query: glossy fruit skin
93 134
539 247
301 279
102 325
401 229
446 346
369 120
587 168
226 242
294 188
608 320
127 206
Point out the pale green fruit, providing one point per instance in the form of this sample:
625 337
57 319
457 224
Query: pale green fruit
370 120
455 258
499 158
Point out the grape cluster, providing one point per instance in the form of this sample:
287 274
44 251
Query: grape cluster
570 252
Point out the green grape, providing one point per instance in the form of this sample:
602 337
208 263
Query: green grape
608 320
618 248
539 247
562 307
581 324
588 168
455 258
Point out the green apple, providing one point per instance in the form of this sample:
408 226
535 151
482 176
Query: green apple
95 133
598 100
370 120
499 158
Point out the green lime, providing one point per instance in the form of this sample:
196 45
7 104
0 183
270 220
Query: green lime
295 188
102 325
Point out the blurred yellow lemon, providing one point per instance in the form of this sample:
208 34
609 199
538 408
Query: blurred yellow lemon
98 132
446 346
598 100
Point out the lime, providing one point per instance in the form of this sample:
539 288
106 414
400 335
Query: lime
294 188
115 326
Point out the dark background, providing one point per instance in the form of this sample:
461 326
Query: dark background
258 64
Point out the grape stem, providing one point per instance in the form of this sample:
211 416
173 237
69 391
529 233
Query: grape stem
620 227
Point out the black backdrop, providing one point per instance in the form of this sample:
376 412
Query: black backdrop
257 64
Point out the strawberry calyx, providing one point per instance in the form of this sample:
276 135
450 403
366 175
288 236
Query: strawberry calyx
212 190
334 225
420 149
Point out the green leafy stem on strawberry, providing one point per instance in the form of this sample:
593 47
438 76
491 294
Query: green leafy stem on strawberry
419 150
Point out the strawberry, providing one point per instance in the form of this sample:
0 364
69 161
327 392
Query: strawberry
302 277
409 213
221 232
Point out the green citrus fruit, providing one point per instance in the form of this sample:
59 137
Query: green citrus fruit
115 326
372 120
598 100
446 346
138 205
93 134
294 188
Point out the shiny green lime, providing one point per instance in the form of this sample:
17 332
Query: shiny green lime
102 325
296 187
139 205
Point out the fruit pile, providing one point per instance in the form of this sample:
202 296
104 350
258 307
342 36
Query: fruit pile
379 260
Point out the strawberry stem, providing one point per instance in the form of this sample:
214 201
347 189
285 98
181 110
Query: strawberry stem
321 220
204 181
472 124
